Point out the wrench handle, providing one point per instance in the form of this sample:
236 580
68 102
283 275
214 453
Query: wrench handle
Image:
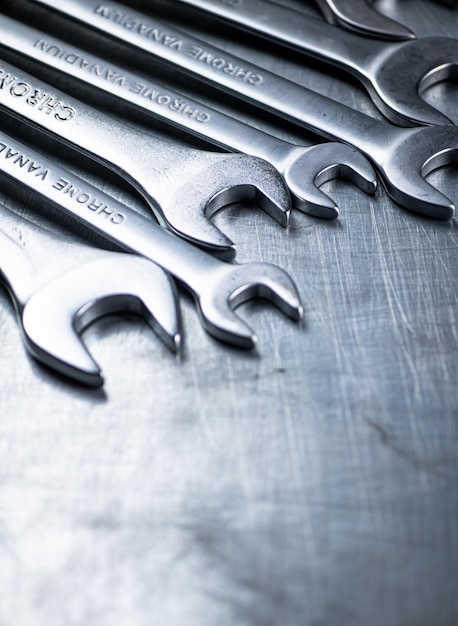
262 88
102 213
27 251
143 93
294 29
17 264
142 159
80 126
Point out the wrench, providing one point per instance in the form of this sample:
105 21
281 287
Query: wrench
218 287
182 185
392 72
303 168
359 16
402 155
60 288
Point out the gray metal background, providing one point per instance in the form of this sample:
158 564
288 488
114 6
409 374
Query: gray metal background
313 482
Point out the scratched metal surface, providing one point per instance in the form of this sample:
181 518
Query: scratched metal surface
312 482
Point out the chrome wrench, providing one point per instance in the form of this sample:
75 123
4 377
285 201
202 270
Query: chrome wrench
403 156
218 287
303 168
59 288
359 16
182 185
394 73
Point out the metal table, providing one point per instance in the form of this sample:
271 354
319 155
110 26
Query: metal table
312 482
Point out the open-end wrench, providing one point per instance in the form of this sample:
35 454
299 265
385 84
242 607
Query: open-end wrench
359 16
393 72
218 287
403 156
182 185
303 168
60 287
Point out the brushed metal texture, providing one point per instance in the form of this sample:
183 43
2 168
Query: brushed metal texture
310 483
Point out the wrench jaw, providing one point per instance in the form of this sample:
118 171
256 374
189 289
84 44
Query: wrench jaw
316 165
411 68
225 179
359 16
55 315
236 284
425 149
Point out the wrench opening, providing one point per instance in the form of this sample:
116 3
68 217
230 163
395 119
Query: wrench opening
426 148
322 163
402 76
128 303
54 317
444 158
58 287
447 71
264 189
238 284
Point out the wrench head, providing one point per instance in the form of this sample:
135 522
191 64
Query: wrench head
310 167
408 70
218 180
55 315
421 151
235 284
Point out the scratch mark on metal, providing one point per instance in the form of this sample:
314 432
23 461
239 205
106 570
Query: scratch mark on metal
202 410
411 459
393 299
